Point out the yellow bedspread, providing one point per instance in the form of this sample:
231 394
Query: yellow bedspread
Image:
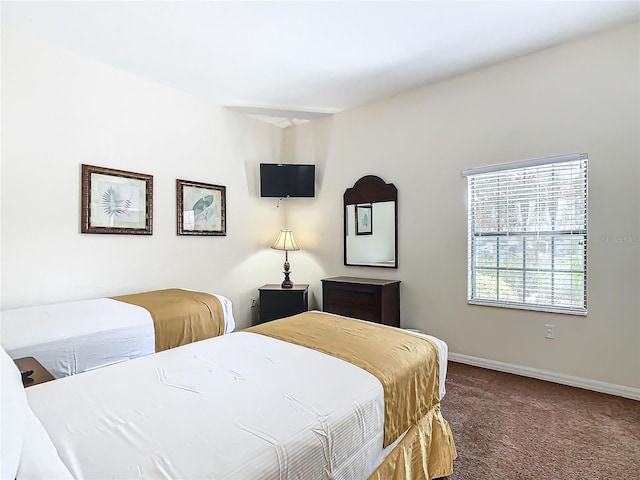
180 316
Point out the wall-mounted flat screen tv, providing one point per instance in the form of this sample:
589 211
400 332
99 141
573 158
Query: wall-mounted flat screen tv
287 180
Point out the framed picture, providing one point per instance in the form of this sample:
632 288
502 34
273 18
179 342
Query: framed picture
115 201
364 220
201 208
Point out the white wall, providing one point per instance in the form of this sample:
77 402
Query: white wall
580 97
60 111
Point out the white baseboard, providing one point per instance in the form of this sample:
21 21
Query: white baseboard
603 387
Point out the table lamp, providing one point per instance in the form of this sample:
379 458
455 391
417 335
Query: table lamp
286 242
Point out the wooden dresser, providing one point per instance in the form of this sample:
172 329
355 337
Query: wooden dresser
370 299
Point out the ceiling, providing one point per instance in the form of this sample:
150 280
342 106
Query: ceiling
292 61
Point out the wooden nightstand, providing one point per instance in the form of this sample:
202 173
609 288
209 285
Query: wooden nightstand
277 302
39 375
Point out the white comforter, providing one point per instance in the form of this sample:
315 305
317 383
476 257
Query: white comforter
241 406
73 337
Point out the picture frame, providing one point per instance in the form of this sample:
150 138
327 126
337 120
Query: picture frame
201 208
116 201
364 219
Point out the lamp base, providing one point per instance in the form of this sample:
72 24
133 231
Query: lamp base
287 283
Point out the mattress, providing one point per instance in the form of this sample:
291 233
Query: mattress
61 337
230 407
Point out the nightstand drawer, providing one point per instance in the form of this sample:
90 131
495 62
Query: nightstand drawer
277 302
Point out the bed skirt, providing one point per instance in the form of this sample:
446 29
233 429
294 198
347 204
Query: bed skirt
426 452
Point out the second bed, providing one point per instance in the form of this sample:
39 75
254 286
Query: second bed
73 337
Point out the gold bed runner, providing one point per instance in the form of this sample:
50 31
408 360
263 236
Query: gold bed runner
405 364
180 316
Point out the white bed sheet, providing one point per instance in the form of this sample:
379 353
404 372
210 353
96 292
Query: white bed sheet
73 337
240 406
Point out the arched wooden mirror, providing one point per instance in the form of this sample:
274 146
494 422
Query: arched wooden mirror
371 223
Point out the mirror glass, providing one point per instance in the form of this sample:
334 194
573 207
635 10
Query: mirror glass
370 224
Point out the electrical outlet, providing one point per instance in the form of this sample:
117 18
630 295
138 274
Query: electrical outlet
549 331
253 302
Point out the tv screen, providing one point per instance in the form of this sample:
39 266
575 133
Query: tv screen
287 180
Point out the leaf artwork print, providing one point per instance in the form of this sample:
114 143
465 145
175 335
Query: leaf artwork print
203 208
113 203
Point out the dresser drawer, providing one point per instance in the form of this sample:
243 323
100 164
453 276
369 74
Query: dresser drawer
361 295
367 299
355 308
363 312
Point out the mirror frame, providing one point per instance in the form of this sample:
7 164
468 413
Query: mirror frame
371 189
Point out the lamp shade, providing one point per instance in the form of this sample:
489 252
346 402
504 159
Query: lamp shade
285 241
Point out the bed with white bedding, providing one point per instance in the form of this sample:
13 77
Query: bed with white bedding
241 406
73 337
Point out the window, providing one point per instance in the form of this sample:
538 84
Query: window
527 234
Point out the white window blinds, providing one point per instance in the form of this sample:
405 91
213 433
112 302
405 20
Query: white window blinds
527 234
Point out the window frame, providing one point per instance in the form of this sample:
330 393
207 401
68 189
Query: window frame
473 234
